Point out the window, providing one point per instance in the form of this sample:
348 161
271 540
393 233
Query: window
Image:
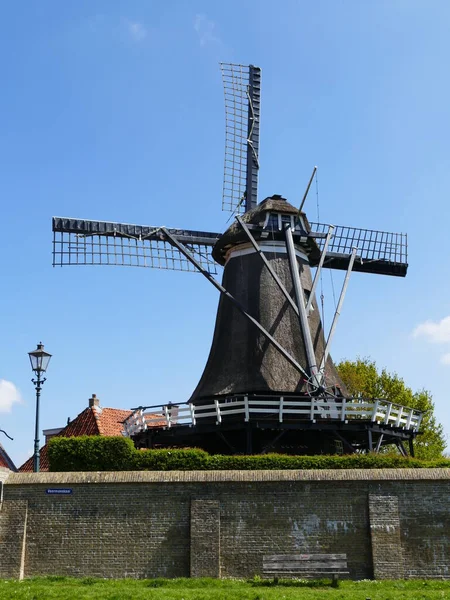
271 221
277 221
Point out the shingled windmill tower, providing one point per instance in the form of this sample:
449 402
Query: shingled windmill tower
269 348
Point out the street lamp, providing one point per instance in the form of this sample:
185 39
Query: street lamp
39 360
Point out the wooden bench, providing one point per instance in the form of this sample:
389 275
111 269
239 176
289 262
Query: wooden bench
305 566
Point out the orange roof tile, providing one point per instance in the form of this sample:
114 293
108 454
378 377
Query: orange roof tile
27 466
5 460
84 424
151 421
110 420
92 421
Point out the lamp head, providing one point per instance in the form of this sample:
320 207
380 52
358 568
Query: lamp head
39 359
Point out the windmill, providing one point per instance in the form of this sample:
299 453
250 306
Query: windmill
269 381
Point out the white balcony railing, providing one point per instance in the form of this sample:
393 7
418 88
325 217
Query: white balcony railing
283 409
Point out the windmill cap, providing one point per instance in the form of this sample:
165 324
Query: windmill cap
235 235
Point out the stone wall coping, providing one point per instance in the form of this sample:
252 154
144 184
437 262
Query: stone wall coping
115 477
4 474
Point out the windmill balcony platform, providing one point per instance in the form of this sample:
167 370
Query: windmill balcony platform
255 424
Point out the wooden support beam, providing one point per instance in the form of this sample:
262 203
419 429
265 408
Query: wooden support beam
401 448
369 440
226 442
273 442
379 442
344 442
249 441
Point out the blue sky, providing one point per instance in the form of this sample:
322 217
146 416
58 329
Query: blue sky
114 111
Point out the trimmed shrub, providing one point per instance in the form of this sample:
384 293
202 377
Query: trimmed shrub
91 453
96 453
184 459
350 461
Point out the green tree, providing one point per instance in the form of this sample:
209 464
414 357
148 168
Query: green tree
364 380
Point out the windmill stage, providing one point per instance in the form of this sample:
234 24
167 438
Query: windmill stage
269 383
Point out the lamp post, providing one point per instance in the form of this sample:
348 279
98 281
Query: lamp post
39 360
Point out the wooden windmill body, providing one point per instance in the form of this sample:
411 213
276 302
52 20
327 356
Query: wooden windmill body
242 360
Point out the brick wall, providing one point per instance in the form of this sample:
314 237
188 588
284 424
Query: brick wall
386 544
205 538
13 519
388 522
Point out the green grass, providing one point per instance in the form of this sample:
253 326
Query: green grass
89 588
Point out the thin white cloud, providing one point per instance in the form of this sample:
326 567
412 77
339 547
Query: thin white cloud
205 29
434 331
137 31
109 28
9 395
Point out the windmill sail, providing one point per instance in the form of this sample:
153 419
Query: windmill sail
242 89
84 242
380 251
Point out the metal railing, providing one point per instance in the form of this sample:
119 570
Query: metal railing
284 409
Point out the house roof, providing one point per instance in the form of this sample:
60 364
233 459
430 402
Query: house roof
110 420
154 420
5 460
94 420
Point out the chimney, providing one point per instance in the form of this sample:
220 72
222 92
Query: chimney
94 401
49 433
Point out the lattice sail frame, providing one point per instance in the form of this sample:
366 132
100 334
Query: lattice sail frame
380 251
84 242
242 90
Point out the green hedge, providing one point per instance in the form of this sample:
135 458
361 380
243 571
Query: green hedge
96 453
90 453
349 461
